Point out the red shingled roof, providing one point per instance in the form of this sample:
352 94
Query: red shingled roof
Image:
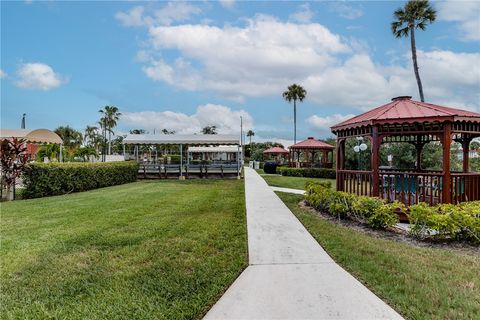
405 110
312 143
275 150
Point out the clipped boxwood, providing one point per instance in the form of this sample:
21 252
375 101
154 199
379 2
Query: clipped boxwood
49 179
270 167
307 172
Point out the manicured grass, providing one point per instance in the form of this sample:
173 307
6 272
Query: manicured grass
276 180
145 250
420 283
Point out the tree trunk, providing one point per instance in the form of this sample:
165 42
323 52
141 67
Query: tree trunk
109 142
415 64
294 121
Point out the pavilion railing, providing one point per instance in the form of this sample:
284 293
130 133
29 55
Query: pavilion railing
465 187
355 181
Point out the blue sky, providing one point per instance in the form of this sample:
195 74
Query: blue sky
183 65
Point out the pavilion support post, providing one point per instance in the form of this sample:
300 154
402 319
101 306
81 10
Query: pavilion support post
447 141
419 148
181 161
124 151
61 152
375 162
340 154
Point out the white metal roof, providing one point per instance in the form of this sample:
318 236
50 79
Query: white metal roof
34 136
227 149
194 139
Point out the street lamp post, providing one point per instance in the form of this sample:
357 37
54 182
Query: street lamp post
361 146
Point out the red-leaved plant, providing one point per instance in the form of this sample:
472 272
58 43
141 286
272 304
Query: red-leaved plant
13 162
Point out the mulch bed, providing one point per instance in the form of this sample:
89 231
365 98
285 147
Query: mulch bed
395 234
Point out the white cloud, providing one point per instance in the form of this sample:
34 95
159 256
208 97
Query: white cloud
2 74
132 18
303 14
467 13
323 124
224 118
229 4
171 12
38 76
346 11
265 55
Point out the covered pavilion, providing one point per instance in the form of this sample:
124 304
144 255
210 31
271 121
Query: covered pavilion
33 137
417 123
311 153
193 142
276 153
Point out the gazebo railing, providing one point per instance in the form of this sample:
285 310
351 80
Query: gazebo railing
465 187
411 187
355 181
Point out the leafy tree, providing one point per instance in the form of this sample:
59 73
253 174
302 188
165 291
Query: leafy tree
250 134
72 138
209 130
416 14
13 162
294 93
84 153
165 131
137 131
110 116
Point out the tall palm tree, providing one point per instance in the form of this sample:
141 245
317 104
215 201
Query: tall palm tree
250 134
416 14
110 116
294 92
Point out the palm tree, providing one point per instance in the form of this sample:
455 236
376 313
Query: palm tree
109 119
294 92
71 137
415 15
209 130
89 135
250 134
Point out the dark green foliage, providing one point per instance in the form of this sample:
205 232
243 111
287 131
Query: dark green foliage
48 179
307 172
373 212
270 167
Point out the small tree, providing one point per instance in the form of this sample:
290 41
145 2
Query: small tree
209 130
13 162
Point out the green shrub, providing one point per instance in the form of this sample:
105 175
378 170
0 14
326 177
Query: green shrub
307 172
446 221
373 212
48 179
270 167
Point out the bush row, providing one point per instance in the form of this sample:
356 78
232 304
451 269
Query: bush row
48 179
446 221
373 212
307 172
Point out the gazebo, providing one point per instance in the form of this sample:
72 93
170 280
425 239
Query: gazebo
276 153
311 153
33 137
417 123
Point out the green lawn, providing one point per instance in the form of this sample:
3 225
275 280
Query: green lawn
276 180
146 250
420 283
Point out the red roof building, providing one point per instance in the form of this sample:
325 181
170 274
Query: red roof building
311 153
275 150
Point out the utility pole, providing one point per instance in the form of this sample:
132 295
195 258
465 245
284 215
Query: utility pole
241 134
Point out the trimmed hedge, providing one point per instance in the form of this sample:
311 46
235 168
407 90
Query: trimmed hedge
270 167
307 172
49 179
446 221
373 212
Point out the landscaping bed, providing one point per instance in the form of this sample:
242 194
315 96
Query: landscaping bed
276 180
144 250
420 283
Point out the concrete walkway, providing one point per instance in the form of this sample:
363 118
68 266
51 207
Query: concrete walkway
290 275
288 190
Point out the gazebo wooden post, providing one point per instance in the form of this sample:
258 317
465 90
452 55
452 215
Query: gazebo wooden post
447 141
340 156
375 162
419 148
